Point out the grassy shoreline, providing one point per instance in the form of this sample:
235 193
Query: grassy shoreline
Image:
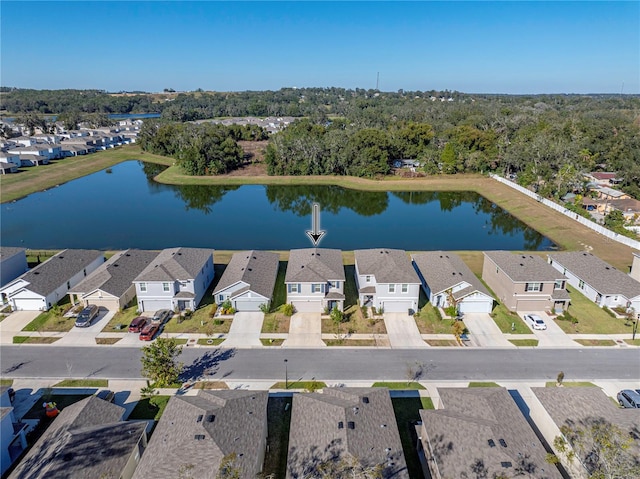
563 231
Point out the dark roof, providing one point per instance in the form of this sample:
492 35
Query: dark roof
9 251
176 264
458 435
116 275
387 265
522 267
598 274
256 268
87 440
443 270
201 430
314 265
48 276
356 422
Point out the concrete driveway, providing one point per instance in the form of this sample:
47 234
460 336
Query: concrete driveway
483 331
14 323
305 331
87 336
245 330
553 336
403 331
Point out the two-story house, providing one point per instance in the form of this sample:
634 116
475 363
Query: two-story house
525 282
176 278
386 279
315 279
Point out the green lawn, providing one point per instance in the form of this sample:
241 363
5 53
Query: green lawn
398 385
145 410
430 322
591 318
121 320
633 342
596 342
306 385
571 384
6 382
82 383
278 426
51 320
442 342
107 341
407 412
210 341
280 289
524 342
276 322
34 340
350 342
505 319
271 342
483 384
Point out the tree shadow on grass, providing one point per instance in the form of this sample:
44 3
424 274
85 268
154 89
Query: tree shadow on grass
206 365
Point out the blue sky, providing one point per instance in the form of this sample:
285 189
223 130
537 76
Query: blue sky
475 47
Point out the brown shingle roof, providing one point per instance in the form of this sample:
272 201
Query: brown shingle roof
522 267
176 264
314 265
256 268
386 265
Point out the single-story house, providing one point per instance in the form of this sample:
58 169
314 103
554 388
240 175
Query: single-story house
33 160
197 434
445 276
9 158
87 439
386 279
606 193
630 209
13 263
525 282
315 279
12 432
6 168
597 280
350 424
111 284
46 284
248 280
480 432
176 278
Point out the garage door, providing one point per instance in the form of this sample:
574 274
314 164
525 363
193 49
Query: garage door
154 305
397 306
475 306
110 304
24 304
248 304
307 306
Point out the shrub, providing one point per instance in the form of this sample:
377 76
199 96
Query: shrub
218 322
264 307
287 309
451 311
365 312
214 309
566 316
437 311
560 377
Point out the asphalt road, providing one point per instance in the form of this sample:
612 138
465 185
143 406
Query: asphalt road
25 361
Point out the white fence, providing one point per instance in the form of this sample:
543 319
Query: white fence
570 214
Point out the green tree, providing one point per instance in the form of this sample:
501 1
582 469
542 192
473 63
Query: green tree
336 317
160 362
449 159
229 468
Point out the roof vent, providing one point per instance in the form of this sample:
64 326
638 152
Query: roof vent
116 265
127 254
492 443
61 257
502 442
211 418
249 269
506 464
199 418
340 425
351 425
67 457
365 400
36 272
521 264
199 437
355 410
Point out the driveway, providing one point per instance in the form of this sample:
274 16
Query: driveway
553 336
305 331
14 323
87 336
403 331
245 330
483 331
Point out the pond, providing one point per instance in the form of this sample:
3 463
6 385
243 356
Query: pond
122 207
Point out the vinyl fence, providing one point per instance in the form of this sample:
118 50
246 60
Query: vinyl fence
570 214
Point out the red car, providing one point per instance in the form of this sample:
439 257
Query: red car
138 324
149 331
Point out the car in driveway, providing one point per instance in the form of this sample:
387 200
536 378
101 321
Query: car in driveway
535 322
628 398
86 316
162 317
149 331
138 324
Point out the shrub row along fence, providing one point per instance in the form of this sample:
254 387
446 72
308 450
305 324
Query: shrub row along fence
570 214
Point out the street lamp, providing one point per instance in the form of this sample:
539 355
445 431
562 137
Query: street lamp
635 328
286 375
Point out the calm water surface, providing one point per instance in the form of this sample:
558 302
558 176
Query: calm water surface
124 208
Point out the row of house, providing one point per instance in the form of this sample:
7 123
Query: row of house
386 279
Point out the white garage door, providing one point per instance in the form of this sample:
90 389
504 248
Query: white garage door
248 304
397 306
24 304
475 306
307 306
155 305
110 304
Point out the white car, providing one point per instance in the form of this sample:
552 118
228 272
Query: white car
535 321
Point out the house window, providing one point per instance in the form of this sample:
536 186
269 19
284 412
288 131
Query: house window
581 284
316 288
334 284
405 288
165 287
367 278
533 287
559 284
143 287
221 298
293 288
392 288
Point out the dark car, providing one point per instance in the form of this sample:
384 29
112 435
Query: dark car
162 317
86 316
149 331
138 324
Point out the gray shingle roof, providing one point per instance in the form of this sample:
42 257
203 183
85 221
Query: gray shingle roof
256 268
443 270
459 435
48 276
176 264
87 440
316 434
600 275
312 265
116 275
200 430
387 265
9 251
522 267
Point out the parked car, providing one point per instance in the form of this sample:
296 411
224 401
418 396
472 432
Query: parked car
535 321
86 316
629 398
149 331
138 323
162 316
